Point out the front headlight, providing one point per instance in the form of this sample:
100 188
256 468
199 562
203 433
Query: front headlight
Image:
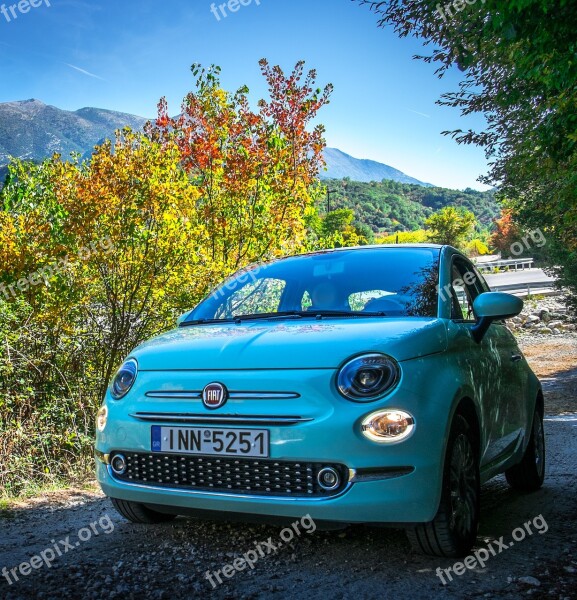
124 379
368 377
386 426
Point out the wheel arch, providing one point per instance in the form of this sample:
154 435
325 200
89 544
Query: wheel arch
467 409
540 402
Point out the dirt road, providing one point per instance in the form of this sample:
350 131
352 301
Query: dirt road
103 556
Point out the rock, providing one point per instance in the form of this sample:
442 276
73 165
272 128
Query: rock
545 315
530 581
558 316
544 330
532 319
554 324
556 331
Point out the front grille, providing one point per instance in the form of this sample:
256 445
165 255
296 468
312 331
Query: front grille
224 474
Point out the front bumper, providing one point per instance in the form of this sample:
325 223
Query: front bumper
387 483
394 499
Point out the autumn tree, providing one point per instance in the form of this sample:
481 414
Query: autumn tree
450 225
96 257
256 171
134 195
505 233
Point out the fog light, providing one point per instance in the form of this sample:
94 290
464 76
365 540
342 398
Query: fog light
388 426
101 418
329 479
118 464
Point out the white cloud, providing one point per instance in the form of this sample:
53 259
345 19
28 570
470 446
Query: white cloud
84 72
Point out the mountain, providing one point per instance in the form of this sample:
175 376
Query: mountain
32 130
341 165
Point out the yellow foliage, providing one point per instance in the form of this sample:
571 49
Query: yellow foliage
404 237
476 247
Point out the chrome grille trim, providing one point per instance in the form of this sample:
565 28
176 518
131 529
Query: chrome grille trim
197 395
175 395
211 419
378 474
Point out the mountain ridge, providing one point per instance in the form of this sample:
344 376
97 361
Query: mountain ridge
33 130
341 165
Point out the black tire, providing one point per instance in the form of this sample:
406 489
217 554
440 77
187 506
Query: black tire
528 475
138 513
453 531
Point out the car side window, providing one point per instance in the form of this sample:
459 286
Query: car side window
465 288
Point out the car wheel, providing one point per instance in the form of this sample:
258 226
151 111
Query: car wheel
529 474
138 513
453 531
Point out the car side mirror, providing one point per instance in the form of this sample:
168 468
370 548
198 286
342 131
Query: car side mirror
492 306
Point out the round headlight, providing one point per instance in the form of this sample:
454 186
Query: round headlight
388 426
124 379
368 377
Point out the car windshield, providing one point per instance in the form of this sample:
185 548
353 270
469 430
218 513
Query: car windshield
387 282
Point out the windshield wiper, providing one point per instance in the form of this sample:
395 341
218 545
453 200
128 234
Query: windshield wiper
315 314
344 313
283 314
295 314
205 322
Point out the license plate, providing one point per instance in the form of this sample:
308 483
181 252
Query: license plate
208 441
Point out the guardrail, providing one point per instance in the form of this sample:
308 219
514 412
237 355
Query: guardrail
531 288
512 262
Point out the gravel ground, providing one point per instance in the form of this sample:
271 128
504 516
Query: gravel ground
170 561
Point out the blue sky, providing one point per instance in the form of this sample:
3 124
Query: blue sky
124 55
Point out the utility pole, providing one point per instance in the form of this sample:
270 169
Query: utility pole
329 192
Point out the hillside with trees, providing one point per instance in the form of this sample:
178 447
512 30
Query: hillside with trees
387 206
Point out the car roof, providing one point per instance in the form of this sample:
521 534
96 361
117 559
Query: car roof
439 247
375 247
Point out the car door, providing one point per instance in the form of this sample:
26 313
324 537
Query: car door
492 364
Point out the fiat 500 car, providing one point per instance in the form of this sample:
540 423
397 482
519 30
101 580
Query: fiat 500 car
369 385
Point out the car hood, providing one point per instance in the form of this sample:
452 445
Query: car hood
289 344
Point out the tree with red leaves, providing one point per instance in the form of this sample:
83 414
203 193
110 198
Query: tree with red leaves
257 171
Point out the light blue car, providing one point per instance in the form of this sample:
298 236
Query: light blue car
359 385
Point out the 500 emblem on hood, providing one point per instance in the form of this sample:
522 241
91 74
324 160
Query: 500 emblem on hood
214 395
